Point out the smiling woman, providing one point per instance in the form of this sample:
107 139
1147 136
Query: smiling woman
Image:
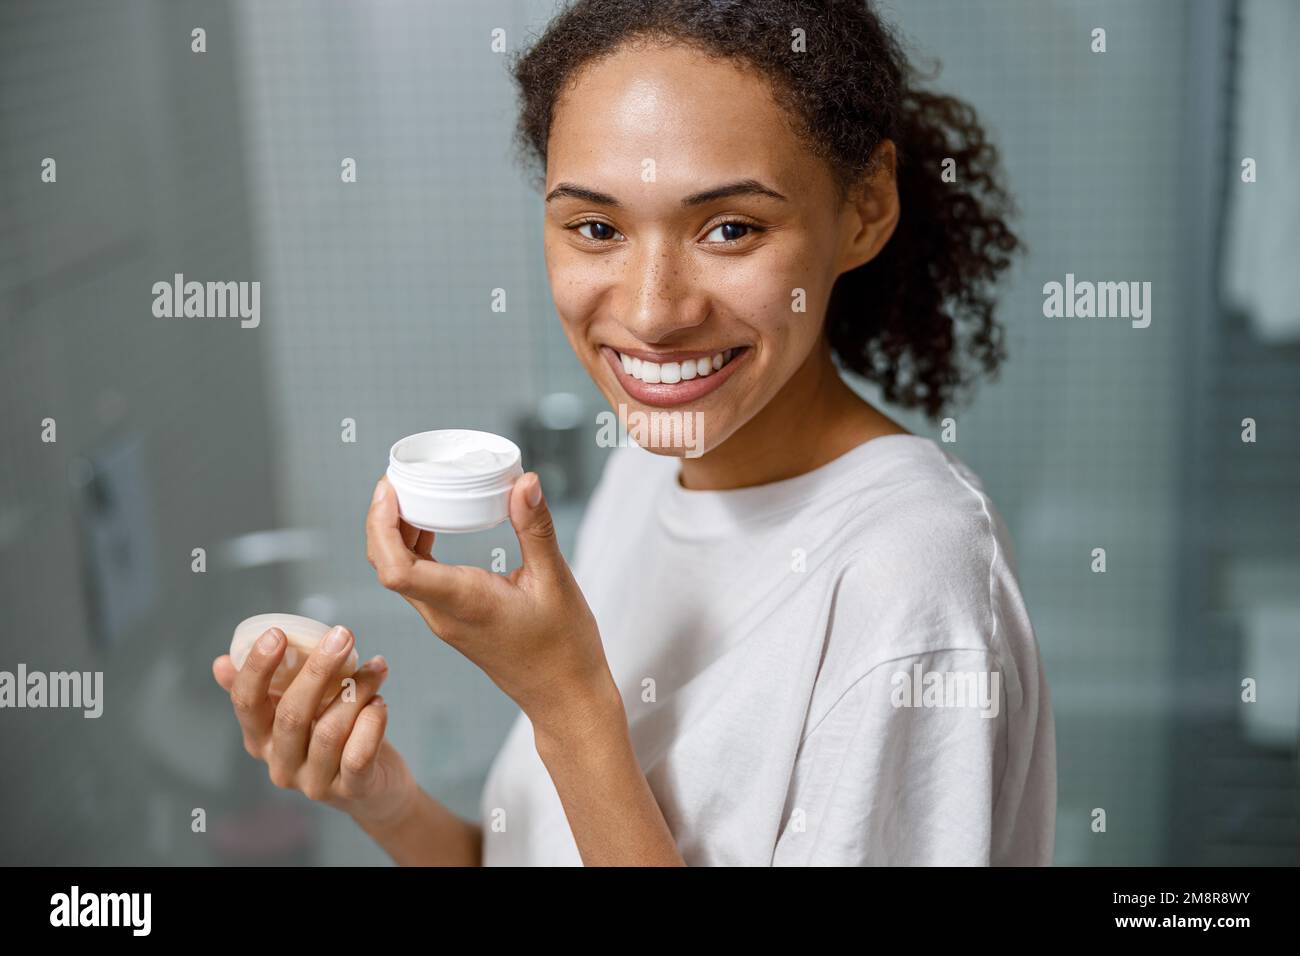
742 200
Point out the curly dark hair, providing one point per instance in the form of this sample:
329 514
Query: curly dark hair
918 318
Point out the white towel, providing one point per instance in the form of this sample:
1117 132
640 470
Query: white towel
1262 253
1272 658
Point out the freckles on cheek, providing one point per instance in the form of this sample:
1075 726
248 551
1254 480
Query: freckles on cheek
766 301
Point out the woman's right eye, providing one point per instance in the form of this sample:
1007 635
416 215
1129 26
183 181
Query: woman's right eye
607 231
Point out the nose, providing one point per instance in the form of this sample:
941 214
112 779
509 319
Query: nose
663 299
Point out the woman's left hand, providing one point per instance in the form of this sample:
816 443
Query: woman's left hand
531 631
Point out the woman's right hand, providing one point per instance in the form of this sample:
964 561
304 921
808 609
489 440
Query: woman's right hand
315 740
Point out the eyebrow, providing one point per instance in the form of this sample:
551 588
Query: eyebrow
741 187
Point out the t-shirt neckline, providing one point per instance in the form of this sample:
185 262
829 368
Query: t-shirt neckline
703 514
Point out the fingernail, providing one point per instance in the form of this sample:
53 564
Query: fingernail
535 492
268 642
335 640
380 701
380 490
377 663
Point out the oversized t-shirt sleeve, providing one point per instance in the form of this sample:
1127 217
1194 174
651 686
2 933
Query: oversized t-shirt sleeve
903 769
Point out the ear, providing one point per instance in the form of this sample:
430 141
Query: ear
872 213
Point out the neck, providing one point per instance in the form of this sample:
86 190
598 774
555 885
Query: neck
813 420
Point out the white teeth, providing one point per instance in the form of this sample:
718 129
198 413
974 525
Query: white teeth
670 373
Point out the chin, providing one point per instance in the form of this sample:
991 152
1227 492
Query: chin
682 432
673 452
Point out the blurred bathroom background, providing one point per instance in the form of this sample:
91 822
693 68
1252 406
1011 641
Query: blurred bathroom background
377 310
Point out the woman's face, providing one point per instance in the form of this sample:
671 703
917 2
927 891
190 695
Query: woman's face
688 228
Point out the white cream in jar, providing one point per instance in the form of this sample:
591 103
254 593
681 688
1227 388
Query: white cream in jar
454 480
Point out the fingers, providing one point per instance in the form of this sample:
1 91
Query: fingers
302 702
398 567
424 545
358 764
334 727
418 540
249 690
223 669
386 548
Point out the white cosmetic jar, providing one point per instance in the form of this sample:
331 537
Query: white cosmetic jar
454 480
304 634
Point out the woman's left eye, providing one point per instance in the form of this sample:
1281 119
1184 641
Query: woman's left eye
733 231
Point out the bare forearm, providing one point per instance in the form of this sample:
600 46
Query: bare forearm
611 810
427 834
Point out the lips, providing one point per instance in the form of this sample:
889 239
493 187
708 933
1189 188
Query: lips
675 378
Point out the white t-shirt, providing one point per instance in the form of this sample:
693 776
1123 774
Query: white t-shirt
834 669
